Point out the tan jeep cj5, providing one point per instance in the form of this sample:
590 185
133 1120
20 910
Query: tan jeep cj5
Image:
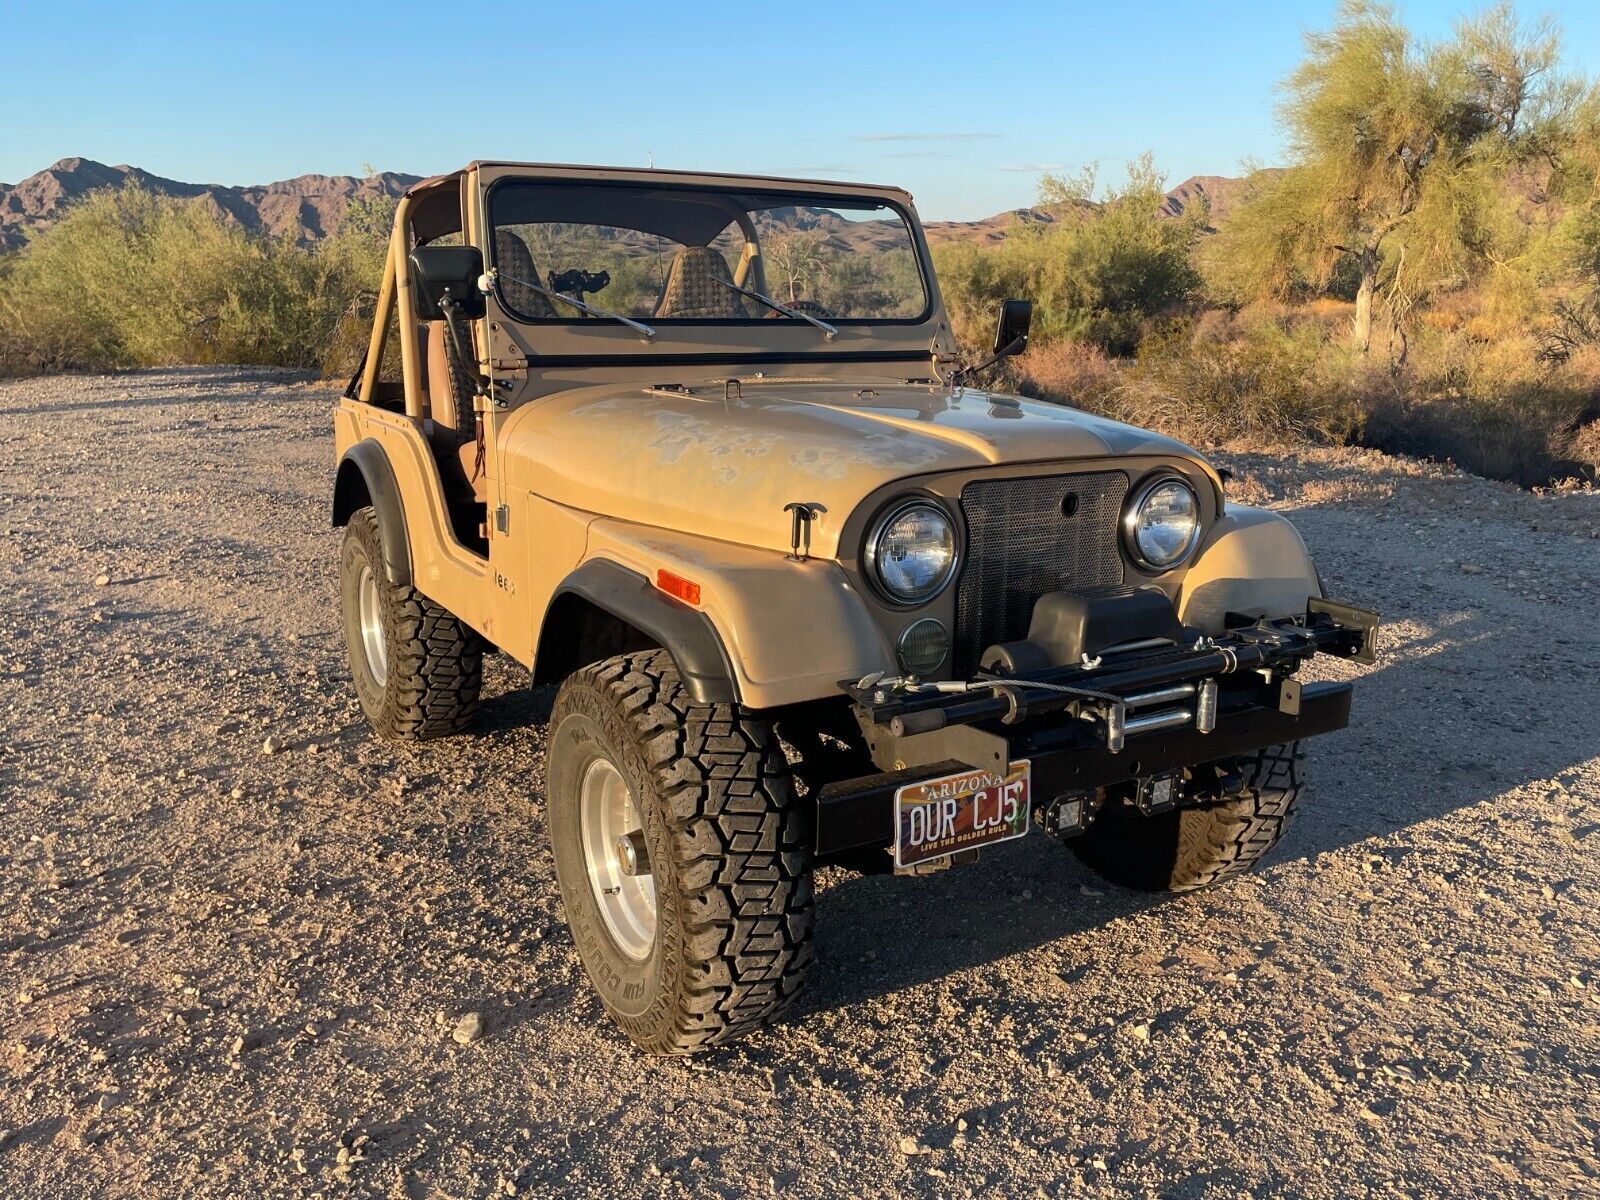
699 451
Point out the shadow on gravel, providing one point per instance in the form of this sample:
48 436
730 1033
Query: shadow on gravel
881 934
520 709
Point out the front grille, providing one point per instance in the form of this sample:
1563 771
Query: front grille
1021 544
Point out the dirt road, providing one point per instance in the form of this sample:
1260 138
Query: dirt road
230 973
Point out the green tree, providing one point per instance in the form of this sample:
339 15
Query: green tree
797 259
1401 152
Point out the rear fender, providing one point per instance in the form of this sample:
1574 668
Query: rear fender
365 477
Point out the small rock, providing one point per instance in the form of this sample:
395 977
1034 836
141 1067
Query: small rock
102 580
1471 568
237 1048
107 1101
911 1148
468 1029
1140 1032
272 745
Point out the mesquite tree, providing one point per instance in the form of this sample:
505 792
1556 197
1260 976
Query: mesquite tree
1401 152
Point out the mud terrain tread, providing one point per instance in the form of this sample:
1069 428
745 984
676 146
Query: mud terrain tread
1199 847
1227 839
742 850
435 661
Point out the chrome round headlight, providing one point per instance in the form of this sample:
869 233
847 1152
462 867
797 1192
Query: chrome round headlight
1162 523
911 552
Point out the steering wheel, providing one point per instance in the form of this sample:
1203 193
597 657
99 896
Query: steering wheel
578 281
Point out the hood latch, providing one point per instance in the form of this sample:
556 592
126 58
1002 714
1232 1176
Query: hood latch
802 513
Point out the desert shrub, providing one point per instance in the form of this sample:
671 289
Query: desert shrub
1531 439
1269 380
1067 373
359 249
1583 448
1097 274
127 279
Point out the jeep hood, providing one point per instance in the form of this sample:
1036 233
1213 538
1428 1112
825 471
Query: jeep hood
725 468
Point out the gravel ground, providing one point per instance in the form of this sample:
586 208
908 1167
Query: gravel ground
225 972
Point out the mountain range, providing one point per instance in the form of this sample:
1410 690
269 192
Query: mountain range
310 207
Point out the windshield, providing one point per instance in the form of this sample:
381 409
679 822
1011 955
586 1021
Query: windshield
663 254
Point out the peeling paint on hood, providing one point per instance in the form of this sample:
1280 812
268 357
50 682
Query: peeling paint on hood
726 468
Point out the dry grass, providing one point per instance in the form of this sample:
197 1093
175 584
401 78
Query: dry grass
1490 405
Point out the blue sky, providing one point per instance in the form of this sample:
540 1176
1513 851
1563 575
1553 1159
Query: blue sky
962 103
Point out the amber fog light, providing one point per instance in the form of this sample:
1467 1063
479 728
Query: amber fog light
922 647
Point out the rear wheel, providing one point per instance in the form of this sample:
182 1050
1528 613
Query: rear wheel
1191 848
417 669
682 853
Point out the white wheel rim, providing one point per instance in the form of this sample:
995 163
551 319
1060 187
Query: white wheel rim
370 612
626 902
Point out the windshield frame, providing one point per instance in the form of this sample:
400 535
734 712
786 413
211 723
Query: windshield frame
819 195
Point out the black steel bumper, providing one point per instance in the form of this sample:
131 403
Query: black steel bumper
1129 716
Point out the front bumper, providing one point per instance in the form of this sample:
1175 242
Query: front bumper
1126 717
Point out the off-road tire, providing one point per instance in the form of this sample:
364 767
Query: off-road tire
729 850
1191 848
434 662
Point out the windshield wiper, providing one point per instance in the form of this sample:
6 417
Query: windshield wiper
644 330
779 308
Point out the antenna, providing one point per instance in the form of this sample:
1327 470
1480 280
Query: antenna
650 155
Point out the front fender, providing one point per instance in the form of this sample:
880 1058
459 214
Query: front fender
683 631
1254 562
792 630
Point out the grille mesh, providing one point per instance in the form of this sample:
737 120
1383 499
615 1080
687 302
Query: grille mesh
1020 545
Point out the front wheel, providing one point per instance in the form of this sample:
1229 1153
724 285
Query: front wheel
682 854
1191 848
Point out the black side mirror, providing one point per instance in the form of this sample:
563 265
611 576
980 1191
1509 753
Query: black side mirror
451 271
1016 316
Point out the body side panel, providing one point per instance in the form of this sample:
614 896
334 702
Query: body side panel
442 569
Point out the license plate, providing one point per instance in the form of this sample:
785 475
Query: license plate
960 812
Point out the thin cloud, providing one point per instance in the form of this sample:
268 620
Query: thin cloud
927 137
1034 167
914 154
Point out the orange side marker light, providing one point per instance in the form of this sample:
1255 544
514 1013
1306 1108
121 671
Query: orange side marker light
677 585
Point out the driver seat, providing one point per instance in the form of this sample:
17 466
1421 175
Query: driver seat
515 262
694 287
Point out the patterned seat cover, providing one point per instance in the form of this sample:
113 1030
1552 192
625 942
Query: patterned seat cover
694 287
514 263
